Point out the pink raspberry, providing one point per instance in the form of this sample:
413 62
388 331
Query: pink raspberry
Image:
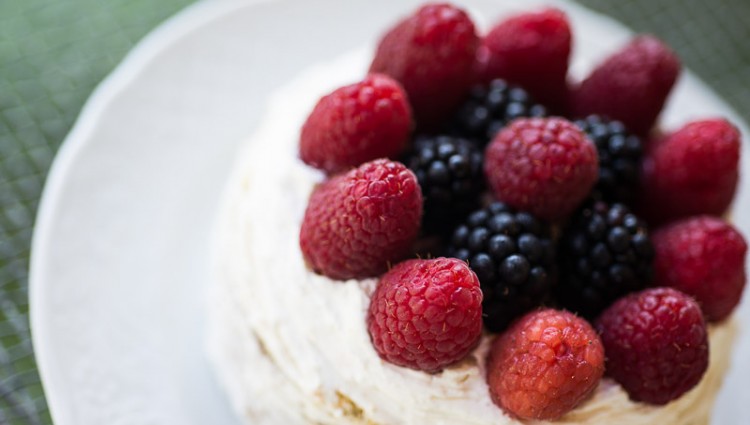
531 50
544 365
691 171
630 86
358 222
545 166
703 257
355 124
656 344
426 314
431 53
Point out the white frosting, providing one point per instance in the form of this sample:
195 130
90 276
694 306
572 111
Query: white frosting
292 347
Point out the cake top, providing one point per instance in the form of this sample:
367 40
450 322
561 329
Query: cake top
573 226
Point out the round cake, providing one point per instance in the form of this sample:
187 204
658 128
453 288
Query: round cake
291 346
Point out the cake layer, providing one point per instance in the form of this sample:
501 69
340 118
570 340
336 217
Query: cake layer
292 347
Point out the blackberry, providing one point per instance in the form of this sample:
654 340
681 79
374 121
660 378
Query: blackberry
619 158
449 171
513 256
605 253
491 107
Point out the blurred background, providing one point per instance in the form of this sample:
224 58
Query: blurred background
53 54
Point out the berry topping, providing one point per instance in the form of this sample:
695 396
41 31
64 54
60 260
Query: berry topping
691 171
514 258
530 49
358 222
547 363
431 53
631 86
543 165
491 107
449 171
656 344
705 258
355 124
619 158
605 253
426 314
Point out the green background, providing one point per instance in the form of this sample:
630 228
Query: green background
54 52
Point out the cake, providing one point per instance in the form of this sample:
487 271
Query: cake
292 346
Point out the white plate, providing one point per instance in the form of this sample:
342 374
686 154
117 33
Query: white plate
119 260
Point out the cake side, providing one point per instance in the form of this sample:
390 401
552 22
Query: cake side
292 347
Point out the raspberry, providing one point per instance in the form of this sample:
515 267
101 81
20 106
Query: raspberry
355 124
690 172
545 166
532 50
630 86
449 171
491 107
620 156
358 222
705 258
656 344
431 53
605 253
514 258
426 314
544 365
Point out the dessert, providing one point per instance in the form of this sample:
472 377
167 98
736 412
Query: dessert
295 346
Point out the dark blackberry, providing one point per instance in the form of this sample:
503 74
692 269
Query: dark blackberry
449 171
605 253
619 158
491 107
513 257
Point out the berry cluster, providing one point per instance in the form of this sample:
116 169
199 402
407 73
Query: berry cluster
620 156
605 253
449 171
513 256
490 107
514 198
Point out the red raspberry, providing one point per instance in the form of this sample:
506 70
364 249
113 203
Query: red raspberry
656 344
431 53
705 258
545 364
531 50
357 123
356 223
630 86
426 314
545 166
691 171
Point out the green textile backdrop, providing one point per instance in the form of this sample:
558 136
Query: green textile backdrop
54 52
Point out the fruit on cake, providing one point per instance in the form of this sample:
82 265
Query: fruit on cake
411 238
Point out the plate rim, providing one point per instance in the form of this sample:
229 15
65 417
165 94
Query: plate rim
187 20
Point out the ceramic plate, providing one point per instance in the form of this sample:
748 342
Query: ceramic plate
120 253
